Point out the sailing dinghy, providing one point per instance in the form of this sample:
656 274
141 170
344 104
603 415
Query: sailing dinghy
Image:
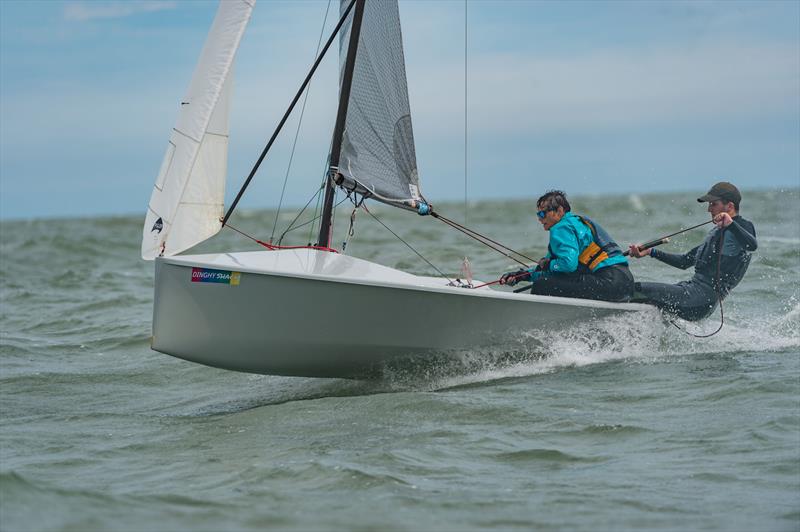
310 311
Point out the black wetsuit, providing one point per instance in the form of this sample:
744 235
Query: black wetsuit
697 298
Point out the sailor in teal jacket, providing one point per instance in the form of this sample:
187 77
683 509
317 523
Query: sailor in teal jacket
582 260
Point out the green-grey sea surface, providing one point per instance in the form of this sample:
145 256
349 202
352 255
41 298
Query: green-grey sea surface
620 424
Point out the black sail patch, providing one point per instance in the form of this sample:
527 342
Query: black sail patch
158 226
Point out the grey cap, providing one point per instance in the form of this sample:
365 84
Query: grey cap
722 191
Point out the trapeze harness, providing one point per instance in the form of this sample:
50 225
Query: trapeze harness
720 263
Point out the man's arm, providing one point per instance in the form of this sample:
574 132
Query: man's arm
683 261
745 237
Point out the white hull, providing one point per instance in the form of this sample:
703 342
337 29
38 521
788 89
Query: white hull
320 314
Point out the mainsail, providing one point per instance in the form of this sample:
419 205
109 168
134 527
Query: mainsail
187 201
377 156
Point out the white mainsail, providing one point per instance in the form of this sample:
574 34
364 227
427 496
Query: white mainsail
187 201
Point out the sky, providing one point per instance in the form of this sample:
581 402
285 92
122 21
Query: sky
590 97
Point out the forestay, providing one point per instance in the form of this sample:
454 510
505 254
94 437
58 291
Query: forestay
187 200
377 154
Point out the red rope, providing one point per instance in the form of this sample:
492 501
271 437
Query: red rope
273 247
523 274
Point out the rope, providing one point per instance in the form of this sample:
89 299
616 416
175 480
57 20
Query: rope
721 323
357 203
273 247
716 291
523 274
485 240
407 245
352 230
297 132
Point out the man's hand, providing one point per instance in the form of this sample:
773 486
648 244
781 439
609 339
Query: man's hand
512 278
723 219
635 252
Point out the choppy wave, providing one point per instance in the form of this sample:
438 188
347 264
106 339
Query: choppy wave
100 432
552 456
627 337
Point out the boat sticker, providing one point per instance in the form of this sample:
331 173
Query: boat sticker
207 275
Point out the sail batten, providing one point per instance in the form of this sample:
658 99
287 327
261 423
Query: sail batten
377 155
188 196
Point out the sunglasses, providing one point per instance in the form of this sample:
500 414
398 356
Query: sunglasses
542 214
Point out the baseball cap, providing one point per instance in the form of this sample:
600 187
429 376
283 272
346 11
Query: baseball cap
722 191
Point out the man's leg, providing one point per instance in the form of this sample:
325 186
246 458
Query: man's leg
684 299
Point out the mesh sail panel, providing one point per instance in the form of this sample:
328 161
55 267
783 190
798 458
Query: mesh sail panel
377 155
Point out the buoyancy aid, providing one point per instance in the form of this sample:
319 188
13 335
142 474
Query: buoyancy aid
599 249
578 244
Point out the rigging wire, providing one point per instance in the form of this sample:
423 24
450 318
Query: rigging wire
485 240
407 245
316 217
291 225
273 247
313 220
299 124
287 113
465 114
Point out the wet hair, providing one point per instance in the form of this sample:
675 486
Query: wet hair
552 200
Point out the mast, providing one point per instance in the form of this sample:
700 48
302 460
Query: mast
338 130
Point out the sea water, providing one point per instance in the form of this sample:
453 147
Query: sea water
625 423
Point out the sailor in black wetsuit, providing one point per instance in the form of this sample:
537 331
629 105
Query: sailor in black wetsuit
715 275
